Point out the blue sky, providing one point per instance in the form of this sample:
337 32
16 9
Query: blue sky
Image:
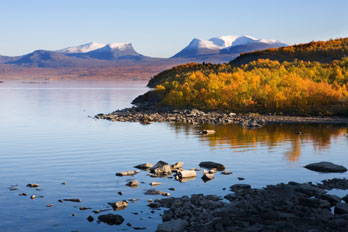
161 28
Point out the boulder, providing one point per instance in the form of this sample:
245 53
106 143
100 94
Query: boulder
161 168
210 165
326 167
119 204
144 166
133 183
177 165
177 225
111 219
186 174
207 177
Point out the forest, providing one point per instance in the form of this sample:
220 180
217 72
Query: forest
305 79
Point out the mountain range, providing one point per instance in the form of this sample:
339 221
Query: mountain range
113 56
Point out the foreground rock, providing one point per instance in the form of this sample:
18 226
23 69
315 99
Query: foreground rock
133 183
111 219
161 168
326 167
127 173
144 166
186 174
211 165
177 225
281 207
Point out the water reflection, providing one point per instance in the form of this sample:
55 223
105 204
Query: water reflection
271 136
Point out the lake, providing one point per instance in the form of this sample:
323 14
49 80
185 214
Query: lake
47 137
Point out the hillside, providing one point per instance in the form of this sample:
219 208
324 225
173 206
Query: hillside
321 51
264 86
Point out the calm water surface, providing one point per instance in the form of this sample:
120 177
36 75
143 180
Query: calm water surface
46 137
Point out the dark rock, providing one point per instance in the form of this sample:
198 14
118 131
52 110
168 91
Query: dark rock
72 199
153 192
111 219
210 165
341 208
207 177
177 225
326 167
333 199
90 218
236 187
144 166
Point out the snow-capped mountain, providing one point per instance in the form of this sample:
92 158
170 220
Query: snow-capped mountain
223 44
114 51
82 48
100 51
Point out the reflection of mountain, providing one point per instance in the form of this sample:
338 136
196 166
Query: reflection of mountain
271 136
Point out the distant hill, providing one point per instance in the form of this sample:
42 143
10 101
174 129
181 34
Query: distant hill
93 57
321 51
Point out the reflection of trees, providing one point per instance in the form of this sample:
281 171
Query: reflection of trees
271 136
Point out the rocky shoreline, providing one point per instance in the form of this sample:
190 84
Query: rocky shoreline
281 207
149 114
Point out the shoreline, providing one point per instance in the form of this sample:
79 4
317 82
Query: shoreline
149 114
281 207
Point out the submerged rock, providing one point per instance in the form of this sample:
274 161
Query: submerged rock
90 218
127 173
33 185
326 167
72 199
210 165
111 219
153 192
236 187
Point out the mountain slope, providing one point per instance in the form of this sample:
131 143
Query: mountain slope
48 59
82 48
322 51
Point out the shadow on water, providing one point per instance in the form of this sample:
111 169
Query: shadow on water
237 137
